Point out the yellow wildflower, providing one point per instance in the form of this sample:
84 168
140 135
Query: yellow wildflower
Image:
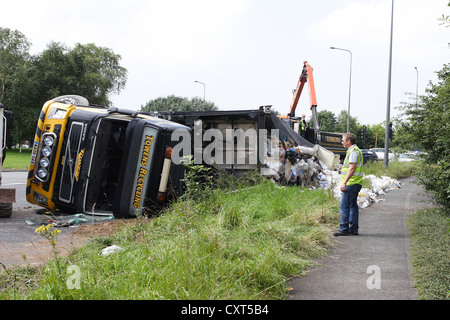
48 232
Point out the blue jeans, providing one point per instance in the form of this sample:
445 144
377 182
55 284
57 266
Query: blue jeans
349 209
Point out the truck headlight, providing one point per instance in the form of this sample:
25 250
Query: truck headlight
46 151
42 173
44 162
44 168
48 140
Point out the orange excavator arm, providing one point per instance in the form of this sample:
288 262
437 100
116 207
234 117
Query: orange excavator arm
306 76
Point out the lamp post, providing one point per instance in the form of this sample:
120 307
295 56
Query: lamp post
417 84
204 90
417 92
388 106
349 86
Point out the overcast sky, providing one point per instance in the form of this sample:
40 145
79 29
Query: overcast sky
250 52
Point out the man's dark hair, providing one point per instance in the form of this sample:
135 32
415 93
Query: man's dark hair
350 136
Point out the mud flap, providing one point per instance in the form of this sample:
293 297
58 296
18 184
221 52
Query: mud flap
7 197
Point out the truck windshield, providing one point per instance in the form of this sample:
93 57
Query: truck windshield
103 174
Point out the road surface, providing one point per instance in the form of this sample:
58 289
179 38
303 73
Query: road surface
18 181
19 243
375 264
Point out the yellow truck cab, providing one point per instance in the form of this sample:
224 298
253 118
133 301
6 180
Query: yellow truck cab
98 160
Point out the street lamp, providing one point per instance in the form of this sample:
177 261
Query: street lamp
388 106
204 90
417 84
349 86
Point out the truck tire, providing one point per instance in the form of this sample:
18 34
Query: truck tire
72 99
5 210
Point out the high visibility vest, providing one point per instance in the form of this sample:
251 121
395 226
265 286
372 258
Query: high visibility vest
359 171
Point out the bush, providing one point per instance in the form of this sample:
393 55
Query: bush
436 178
429 129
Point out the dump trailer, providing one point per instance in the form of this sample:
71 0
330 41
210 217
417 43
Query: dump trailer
236 140
102 161
7 195
329 140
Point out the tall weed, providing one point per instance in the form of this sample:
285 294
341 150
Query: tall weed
395 170
241 244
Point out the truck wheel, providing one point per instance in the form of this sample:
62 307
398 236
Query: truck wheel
72 99
5 210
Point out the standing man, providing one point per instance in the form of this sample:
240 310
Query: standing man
351 182
303 126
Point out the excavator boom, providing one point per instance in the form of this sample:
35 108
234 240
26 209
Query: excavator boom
328 140
306 76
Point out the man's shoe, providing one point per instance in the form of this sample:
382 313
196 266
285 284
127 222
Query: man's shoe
340 233
353 233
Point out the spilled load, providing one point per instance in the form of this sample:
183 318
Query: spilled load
298 165
379 186
317 167
240 141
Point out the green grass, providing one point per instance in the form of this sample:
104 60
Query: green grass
234 245
237 245
430 259
395 170
16 160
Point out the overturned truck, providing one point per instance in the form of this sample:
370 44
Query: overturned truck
101 160
121 162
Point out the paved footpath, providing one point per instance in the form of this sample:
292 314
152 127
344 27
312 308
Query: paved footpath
373 265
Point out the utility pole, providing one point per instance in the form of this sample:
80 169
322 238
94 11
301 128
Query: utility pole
349 85
388 107
204 92
417 84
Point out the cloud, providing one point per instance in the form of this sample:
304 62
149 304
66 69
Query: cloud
356 21
364 28
250 52
177 31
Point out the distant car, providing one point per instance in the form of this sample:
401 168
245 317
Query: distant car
380 154
407 157
369 156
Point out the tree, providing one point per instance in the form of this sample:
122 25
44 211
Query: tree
327 121
445 20
404 139
55 73
175 103
14 48
22 95
341 125
375 136
98 72
429 129
87 71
